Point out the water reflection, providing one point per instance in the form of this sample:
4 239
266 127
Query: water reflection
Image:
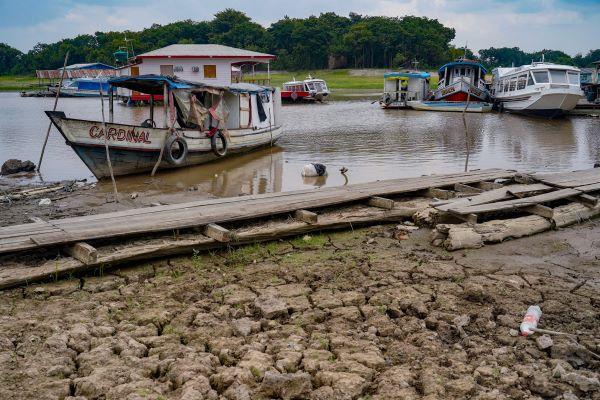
370 142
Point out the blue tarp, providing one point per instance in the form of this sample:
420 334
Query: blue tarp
153 84
407 74
92 85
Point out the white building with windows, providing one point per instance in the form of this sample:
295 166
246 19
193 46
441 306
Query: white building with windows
213 64
543 89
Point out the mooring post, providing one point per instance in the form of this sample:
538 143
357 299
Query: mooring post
152 107
53 109
166 105
105 128
110 104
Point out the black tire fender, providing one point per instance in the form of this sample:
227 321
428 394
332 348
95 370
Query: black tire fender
218 136
175 159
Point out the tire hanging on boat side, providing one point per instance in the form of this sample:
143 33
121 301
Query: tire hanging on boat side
178 159
213 144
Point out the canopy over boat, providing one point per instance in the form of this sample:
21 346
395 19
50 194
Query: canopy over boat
154 84
406 74
462 63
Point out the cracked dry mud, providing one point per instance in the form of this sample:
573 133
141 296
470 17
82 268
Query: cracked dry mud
345 315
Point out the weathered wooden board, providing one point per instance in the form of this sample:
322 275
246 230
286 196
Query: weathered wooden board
571 179
504 193
187 215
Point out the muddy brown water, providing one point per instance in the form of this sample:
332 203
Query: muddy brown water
347 132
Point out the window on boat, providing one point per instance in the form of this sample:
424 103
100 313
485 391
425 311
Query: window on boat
210 71
521 82
311 86
530 80
513 84
541 76
573 78
506 85
558 76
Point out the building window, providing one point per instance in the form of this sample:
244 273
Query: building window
210 71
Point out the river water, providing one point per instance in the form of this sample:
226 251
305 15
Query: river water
372 143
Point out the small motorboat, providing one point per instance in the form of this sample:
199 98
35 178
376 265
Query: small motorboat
402 87
82 87
450 106
310 89
203 123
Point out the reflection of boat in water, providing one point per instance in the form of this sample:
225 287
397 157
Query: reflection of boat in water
402 87
542 89
213 121
308 89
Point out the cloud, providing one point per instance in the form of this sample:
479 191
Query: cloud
531 25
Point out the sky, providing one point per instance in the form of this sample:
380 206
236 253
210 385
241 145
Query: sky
570 26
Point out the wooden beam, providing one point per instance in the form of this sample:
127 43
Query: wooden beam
540 210
217 232
459 187
587 200
489 185
440 193
381 202
307 216
83 252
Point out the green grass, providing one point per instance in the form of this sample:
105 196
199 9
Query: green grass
17 83
338 78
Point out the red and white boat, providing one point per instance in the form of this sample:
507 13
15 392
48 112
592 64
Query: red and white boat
309 89
462 80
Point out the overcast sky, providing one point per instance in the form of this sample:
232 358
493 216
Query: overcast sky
571 26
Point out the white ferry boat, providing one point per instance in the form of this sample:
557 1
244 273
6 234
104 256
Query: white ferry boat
542 89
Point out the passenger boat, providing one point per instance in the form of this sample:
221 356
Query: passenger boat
404 86
82 87
203 123
310 89
542 89
462 80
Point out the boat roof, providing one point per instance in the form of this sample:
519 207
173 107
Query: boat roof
503 71
154 84
406 74
204 51
461 63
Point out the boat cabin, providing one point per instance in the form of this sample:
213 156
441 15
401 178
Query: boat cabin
462 80
308 89
454 72
400 87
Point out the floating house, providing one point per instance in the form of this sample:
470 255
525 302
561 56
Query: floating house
211 64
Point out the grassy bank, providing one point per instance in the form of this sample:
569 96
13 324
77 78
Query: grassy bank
338 79
16 82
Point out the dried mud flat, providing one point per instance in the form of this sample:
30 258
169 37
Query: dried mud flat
346 315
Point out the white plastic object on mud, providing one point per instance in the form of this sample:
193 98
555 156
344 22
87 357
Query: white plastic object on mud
530 321
45 202
314 169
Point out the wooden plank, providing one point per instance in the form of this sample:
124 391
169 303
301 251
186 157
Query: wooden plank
83 252
459 187
540 210
442 194
489 185
307 216
587 200
470 219
517 203
187 215
217 233
504 193
381 202
589 188
571 179
161 247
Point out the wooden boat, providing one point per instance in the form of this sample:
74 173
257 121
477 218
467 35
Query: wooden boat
402 87
203 123
462 80
451 106
310 89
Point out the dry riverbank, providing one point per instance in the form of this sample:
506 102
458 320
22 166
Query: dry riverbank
338 316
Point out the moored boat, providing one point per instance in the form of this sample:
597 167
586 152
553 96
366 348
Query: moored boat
82 87
403 86
541 89
461 80
310 89
450 106
203 123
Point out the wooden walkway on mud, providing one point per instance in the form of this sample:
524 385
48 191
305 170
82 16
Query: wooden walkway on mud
444 202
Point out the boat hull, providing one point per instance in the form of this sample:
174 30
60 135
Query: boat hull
450 106
461 91
135 149
547 104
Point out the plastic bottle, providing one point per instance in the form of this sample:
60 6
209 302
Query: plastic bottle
530 321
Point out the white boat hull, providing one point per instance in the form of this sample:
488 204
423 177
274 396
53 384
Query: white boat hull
548 103
134 149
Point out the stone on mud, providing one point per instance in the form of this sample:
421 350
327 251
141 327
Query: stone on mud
13 166
544 342
286 386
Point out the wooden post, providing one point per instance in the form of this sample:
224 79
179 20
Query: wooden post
166 105
110 104
381 202
152 107
105 128
83 252
307 216
217 232
53 109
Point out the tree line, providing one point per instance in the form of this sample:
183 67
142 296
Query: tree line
317 42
